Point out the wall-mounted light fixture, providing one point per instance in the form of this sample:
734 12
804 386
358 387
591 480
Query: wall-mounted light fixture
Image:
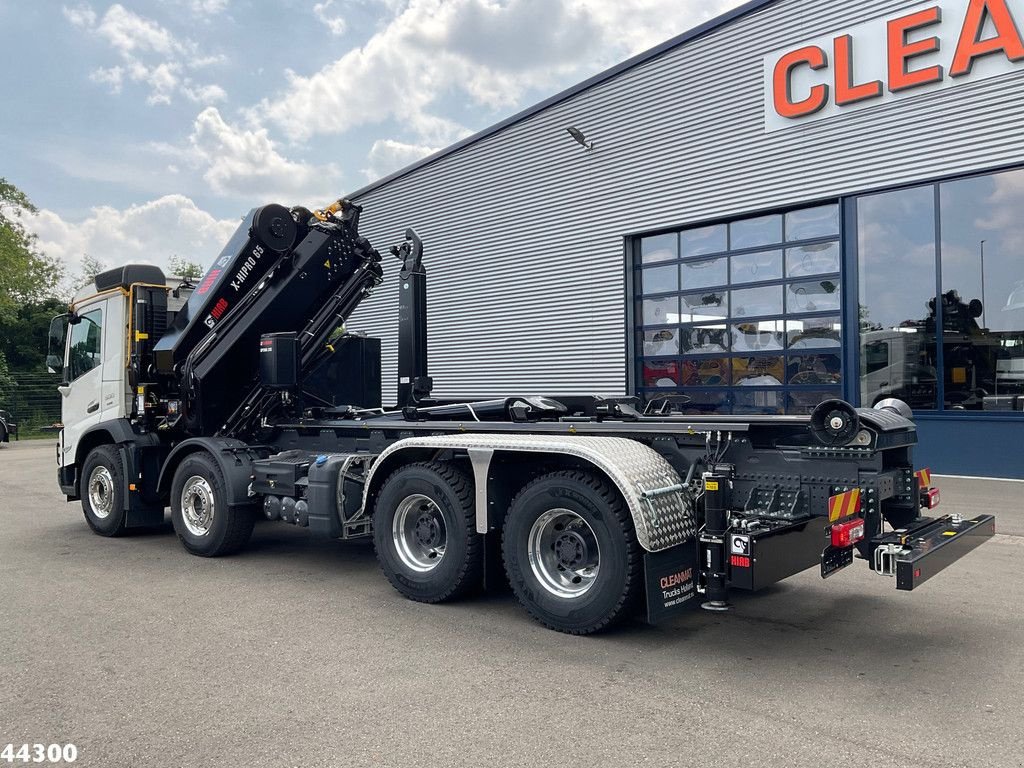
577 134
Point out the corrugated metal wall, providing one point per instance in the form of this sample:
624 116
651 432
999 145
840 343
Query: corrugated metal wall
524 229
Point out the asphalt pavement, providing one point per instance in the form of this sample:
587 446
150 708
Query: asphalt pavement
297 652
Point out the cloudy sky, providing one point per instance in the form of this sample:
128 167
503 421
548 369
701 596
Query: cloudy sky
145 128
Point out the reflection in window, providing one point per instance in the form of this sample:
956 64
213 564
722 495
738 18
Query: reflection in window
661 311
983 292
661 373
813 296
896 236
660 279
663 343
705 402
812 223
814 370
703 240
706 373
814 259
704 273
751 233
814 333
801 401
751 302
704 340
758 402
760 371
85 345
659 248
702 307
759 336
754 267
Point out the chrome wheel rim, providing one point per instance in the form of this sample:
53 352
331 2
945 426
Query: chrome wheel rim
101 492
197 505
564 553
419 533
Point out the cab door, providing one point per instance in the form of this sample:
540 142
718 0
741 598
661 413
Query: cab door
82 390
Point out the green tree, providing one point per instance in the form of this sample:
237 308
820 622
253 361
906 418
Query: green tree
25 273
91 266
185 269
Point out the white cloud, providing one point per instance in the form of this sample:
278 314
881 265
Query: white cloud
492 52
327 13
388 155
151 55
148 233
208 7
245 163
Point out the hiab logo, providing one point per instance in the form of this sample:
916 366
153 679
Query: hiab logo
924 48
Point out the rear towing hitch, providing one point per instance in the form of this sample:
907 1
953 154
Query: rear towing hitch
928 545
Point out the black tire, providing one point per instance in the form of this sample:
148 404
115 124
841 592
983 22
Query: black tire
102 491
590 594
423 495
3 433
197 484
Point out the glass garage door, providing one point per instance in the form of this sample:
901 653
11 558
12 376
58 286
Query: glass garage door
741 317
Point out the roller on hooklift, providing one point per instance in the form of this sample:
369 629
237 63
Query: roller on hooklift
245 395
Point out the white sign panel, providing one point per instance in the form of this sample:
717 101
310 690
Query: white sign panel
922 48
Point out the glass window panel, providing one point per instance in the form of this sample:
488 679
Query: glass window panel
750 233
705 306
663 343
758 402
660 279
814 333
661 311
815 370
704 273
759 336
813 296
809 223
704 339
705 402
660 373
85 345
896 252
703 240
751 302
814 259
805 401
659 248
760 371
983 292
713 372
753 267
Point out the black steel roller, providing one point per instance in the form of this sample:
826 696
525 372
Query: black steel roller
274 226
834 423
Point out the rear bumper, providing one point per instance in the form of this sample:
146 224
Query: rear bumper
915 554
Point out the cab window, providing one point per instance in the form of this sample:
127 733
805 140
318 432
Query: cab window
84 347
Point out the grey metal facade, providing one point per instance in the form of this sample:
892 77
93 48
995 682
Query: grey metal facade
525 231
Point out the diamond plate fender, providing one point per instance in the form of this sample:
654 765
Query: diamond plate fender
662 510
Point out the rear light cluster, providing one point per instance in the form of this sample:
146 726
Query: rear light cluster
847 534
930 498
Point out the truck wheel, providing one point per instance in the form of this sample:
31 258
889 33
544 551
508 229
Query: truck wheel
571 554
103 491
204 522
424 531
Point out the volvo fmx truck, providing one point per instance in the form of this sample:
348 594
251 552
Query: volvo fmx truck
243 396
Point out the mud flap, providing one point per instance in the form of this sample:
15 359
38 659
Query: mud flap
670 581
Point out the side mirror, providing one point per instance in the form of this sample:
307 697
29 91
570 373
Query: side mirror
55 346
